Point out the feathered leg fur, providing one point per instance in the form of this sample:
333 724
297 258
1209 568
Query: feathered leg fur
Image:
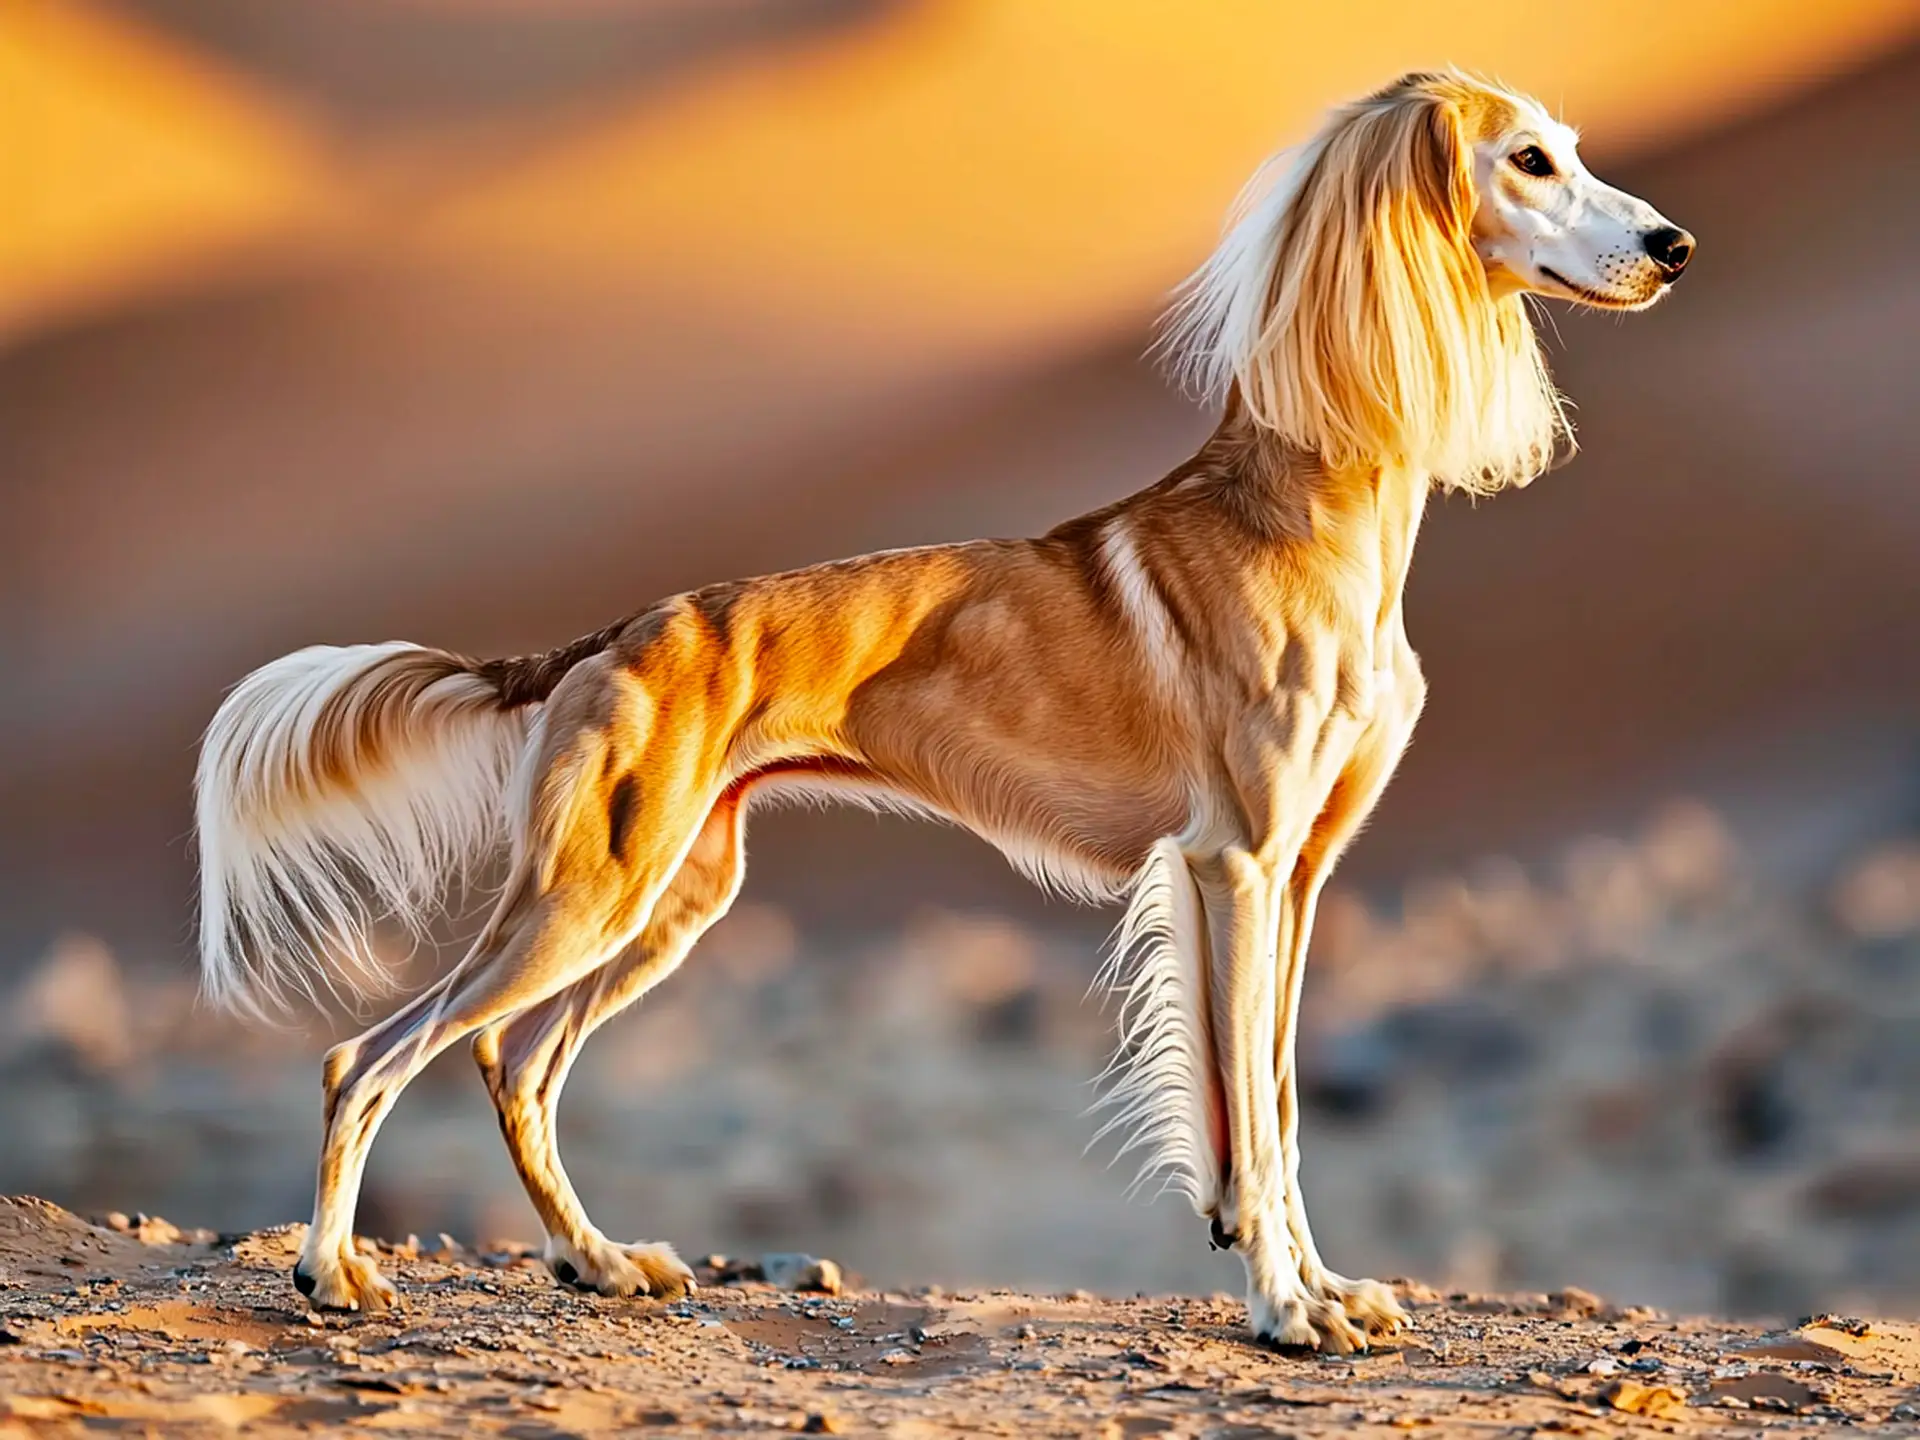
1161 1093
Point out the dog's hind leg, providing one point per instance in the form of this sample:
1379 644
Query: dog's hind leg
606 848
329 1271
525 1060
537 945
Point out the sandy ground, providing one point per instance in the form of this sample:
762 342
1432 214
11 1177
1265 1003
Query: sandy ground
145 1330
1652 1068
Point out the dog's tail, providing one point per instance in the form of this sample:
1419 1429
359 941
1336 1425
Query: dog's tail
1161 1092
340 786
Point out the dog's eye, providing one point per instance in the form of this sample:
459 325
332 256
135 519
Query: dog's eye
1532 160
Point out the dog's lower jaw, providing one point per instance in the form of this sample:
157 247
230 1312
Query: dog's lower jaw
603 1267
343 1281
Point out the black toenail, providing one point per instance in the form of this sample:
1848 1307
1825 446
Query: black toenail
564 1272
303 1282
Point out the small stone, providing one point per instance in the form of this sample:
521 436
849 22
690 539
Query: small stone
1583 1304
802 1272
823 1422
1415 1292
1845 1324
1603 1366
1633 1398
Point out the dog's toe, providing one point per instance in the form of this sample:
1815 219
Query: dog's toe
618 1271
347 1283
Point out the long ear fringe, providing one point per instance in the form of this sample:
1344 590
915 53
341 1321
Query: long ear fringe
1347 306
1220 312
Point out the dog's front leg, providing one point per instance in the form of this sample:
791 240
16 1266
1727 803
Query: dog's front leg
1370 1304
1241 890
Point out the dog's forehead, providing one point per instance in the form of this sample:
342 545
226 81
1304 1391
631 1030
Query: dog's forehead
1560 140
1524 117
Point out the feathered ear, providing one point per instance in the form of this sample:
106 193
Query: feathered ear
1348 306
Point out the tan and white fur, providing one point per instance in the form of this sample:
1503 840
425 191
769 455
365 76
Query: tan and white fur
1192 697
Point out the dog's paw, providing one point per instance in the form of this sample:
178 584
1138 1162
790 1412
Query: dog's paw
344 1282
1304 1322
1367 1303
605 1268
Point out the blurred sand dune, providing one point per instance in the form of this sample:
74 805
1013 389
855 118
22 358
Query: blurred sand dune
986 171
618 299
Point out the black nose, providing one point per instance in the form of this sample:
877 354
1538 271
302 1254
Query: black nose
1670 248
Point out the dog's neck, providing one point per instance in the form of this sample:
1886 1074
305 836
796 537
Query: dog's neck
1358 521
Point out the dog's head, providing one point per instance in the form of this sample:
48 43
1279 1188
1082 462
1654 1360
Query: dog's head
1366 303
1544 223
1491 171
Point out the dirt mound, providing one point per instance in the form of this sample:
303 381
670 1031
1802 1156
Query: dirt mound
137 1324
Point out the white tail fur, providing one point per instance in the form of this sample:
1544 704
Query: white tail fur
1159 1089
339 786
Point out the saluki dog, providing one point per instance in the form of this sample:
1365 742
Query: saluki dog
1191 698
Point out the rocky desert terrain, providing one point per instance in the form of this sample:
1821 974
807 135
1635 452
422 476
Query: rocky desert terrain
1658 1066
137 1327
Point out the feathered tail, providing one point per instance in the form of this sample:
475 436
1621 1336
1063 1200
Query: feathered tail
339 786
1160 1091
